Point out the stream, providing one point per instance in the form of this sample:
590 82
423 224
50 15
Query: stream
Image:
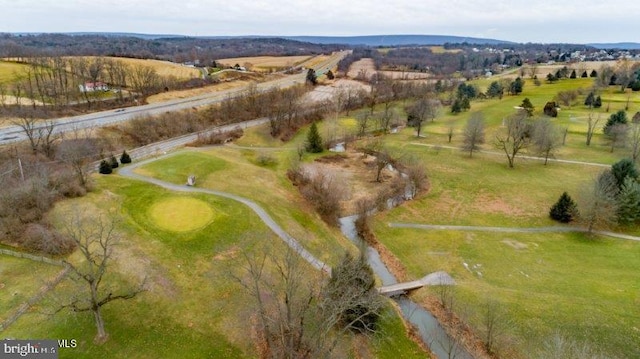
431 332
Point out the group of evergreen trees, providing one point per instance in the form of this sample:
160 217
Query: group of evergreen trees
107 166
624 194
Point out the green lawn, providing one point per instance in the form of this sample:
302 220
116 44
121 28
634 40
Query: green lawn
194 307
587 289
9 71
20 279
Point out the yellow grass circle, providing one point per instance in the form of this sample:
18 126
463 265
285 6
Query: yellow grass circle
181 214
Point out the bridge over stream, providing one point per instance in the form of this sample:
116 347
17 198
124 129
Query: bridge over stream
435 278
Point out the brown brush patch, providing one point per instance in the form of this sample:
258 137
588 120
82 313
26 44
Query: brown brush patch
230 253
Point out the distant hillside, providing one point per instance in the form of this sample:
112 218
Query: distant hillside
394 40
617 45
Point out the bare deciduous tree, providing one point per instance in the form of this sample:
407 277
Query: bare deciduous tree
78 153
617 135
591 126
634 141
516 137
474 133
546 138
95 239
598 206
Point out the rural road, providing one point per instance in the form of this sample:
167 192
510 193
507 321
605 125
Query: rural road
128 171
556 229
14 133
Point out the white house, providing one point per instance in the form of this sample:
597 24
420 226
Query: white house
93 86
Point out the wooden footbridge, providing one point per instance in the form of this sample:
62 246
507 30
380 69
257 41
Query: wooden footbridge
436 278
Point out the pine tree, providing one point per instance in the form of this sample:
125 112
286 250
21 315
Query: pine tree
330 75
105 167
598 102
565 210
629 201
113 162
590 100
314 141
527 106
125 158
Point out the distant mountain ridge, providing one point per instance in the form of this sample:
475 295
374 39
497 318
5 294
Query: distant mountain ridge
617 45
396 40
364 40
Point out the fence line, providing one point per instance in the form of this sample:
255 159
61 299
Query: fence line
32 257
34 299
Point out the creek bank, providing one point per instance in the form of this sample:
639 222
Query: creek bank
453 325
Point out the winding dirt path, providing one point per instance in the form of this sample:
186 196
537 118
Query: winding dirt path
128 171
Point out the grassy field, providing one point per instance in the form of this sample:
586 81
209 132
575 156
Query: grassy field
585 288
194 307
20 279
9 71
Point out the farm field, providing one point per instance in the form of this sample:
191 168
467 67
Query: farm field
163 68
265 63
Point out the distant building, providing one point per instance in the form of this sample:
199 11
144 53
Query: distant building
93 86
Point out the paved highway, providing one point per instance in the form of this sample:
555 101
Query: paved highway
14 133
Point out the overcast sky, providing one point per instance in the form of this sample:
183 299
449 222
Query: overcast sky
576 21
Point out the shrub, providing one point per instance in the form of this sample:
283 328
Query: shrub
40 238
125 158
114 162
266 160
105 167
565 210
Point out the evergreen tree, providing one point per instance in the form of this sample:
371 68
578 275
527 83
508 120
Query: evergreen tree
629 201
527 106
330 75
125 158
623 169
311 77
618 118
590 100
516 86
113 162
598 102
105 167
314 141
573 74
495 90
565 210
